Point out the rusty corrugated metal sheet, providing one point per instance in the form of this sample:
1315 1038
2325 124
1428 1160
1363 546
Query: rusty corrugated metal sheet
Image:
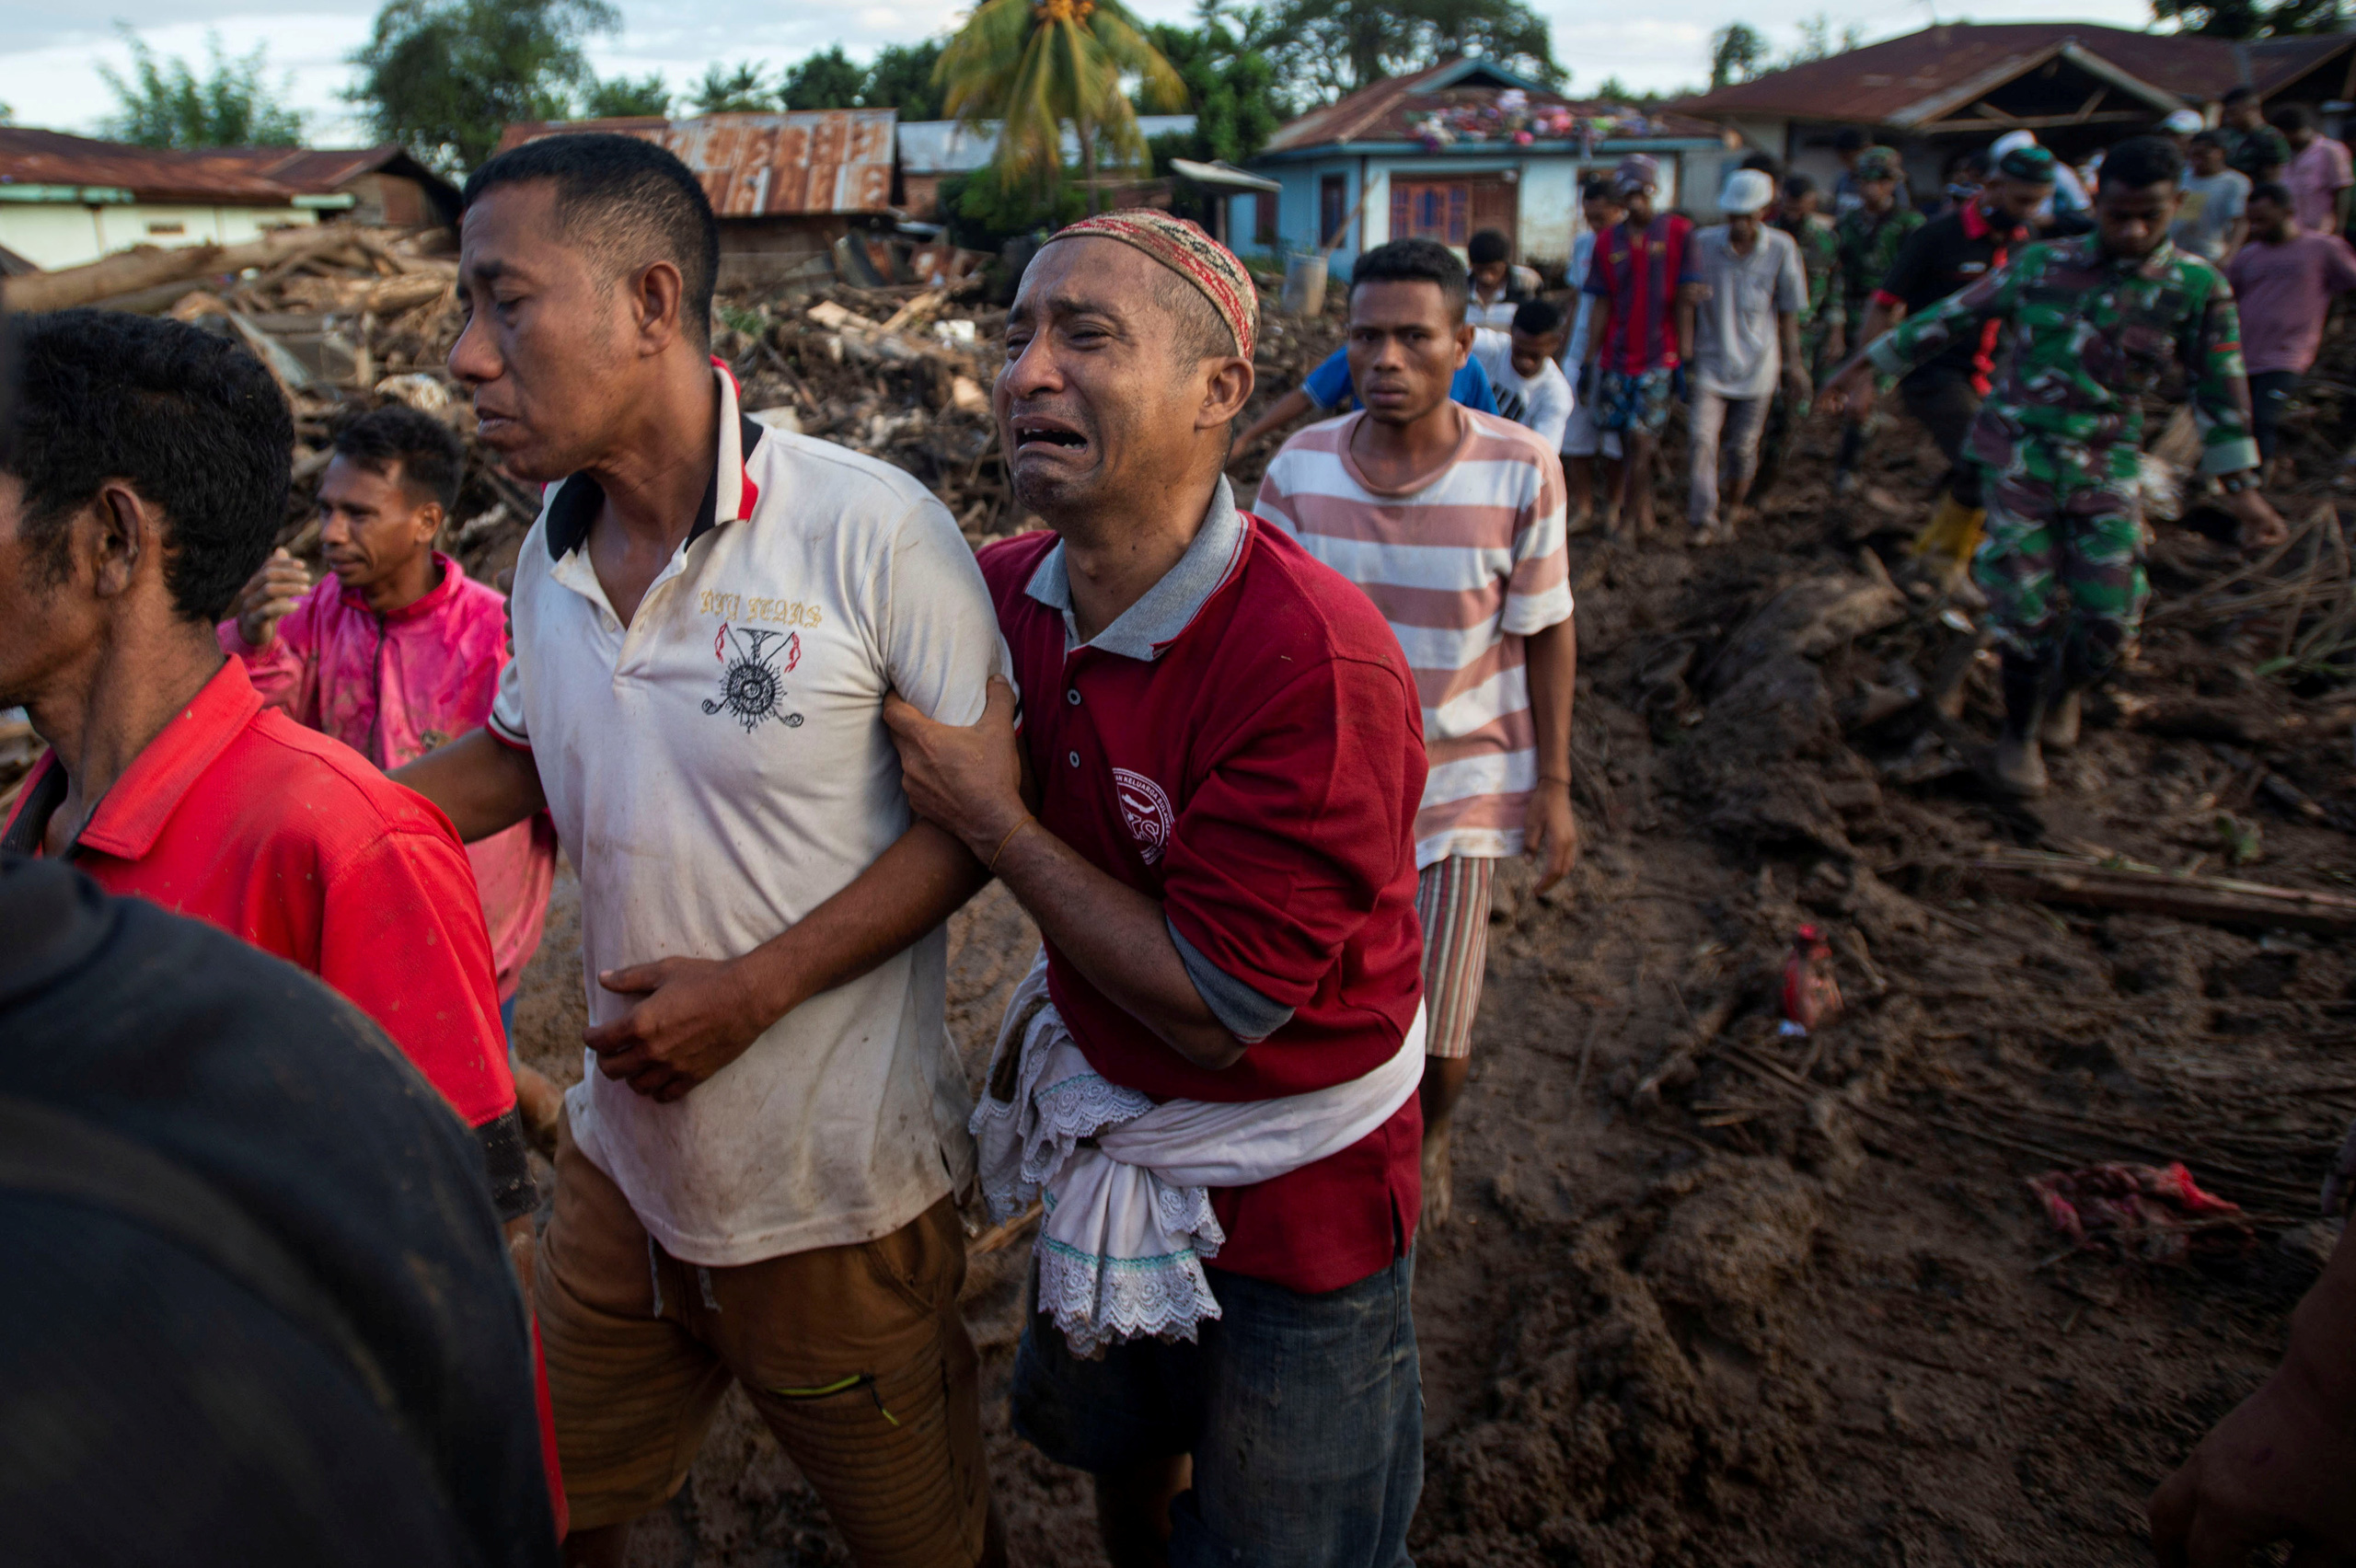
1897 82
51 157
753 165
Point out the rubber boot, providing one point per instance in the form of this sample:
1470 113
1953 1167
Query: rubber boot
2059 732
1853 446
1947 546
2019 763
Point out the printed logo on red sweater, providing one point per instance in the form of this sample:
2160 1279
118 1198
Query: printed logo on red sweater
1146 810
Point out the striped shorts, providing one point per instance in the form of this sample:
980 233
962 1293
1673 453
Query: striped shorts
1452 902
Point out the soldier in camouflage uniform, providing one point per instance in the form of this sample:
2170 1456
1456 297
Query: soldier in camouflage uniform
1820 346
1866 242
2095 323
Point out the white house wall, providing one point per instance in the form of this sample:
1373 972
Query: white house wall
55 235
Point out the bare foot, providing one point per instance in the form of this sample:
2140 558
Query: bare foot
1438 1195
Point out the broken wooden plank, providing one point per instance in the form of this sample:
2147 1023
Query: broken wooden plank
2097 884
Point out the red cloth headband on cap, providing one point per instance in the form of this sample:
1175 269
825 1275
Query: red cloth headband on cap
1186 251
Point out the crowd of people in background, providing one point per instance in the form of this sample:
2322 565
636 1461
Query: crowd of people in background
766 700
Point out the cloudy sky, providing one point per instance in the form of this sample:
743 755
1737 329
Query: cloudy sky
50 51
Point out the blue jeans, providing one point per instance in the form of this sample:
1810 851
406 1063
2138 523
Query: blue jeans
507 1022
1304 1415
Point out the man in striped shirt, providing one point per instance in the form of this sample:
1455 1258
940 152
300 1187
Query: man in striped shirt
1453 522
1641 278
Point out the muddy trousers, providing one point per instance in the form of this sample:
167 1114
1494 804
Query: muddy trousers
1725 436
1945 403
2062 561
855 1357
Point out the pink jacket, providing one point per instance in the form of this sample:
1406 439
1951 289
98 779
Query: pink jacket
392 687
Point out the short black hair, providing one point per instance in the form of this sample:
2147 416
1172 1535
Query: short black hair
1536 318
1765 163
2292 117
629 200
2208 139
1198 331
1416 260
2139 161
1850 141
429 453
2273 190
2242 94
1488 245
1598 188
193 422
1799 187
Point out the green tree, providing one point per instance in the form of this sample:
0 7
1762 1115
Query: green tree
444 77
2251 19
1230 85
165 104
902 78
825 80
627 98
744 90
1818 41
1035 69
1738 53
1336 47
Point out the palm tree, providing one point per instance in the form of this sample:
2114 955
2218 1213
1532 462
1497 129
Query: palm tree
1035 65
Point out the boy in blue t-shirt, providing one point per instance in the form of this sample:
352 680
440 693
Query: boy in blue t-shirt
1328 388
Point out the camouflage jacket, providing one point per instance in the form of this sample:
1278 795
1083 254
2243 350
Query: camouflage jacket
2249 152
2092 336
1820 255
1867 243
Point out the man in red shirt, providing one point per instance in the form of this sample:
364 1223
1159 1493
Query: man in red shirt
1643 280
149 473
1227 757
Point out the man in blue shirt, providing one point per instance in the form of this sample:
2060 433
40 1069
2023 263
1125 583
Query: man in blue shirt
1327 389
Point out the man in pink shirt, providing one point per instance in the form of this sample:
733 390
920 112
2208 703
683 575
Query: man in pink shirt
2318 174
2283 280
401 652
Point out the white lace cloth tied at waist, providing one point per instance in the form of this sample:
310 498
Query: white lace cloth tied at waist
1124 1181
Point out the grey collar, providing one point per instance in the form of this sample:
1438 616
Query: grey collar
1169 606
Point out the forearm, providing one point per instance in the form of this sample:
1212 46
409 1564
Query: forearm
482 785
1119 939
1598 328
1553 662
1788 329
1684 328
2323 1333
925 877
1281 412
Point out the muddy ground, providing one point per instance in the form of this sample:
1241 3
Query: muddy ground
1714 1296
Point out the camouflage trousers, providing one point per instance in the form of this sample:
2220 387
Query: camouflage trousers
1783 419
2063 559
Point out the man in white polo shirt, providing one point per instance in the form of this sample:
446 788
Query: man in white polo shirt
754 1180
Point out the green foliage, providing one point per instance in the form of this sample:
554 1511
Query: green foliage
902 78
444 77
1325 49
624 98
1738 53
982 211
744 90
1034 70
1231 88
165 104
824 80
1817 41
2250 18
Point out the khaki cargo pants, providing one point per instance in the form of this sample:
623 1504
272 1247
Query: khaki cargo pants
855 1356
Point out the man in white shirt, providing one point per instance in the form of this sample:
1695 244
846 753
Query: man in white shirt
755 1180
1584 446
1745 335
1500 287
1529 387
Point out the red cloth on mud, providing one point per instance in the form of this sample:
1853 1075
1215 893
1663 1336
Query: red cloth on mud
2148 1211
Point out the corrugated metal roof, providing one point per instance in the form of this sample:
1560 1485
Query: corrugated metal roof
1380 112
1916 78
753 165
952 147
251 176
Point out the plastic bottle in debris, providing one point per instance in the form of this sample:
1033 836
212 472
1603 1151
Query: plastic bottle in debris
1811 995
